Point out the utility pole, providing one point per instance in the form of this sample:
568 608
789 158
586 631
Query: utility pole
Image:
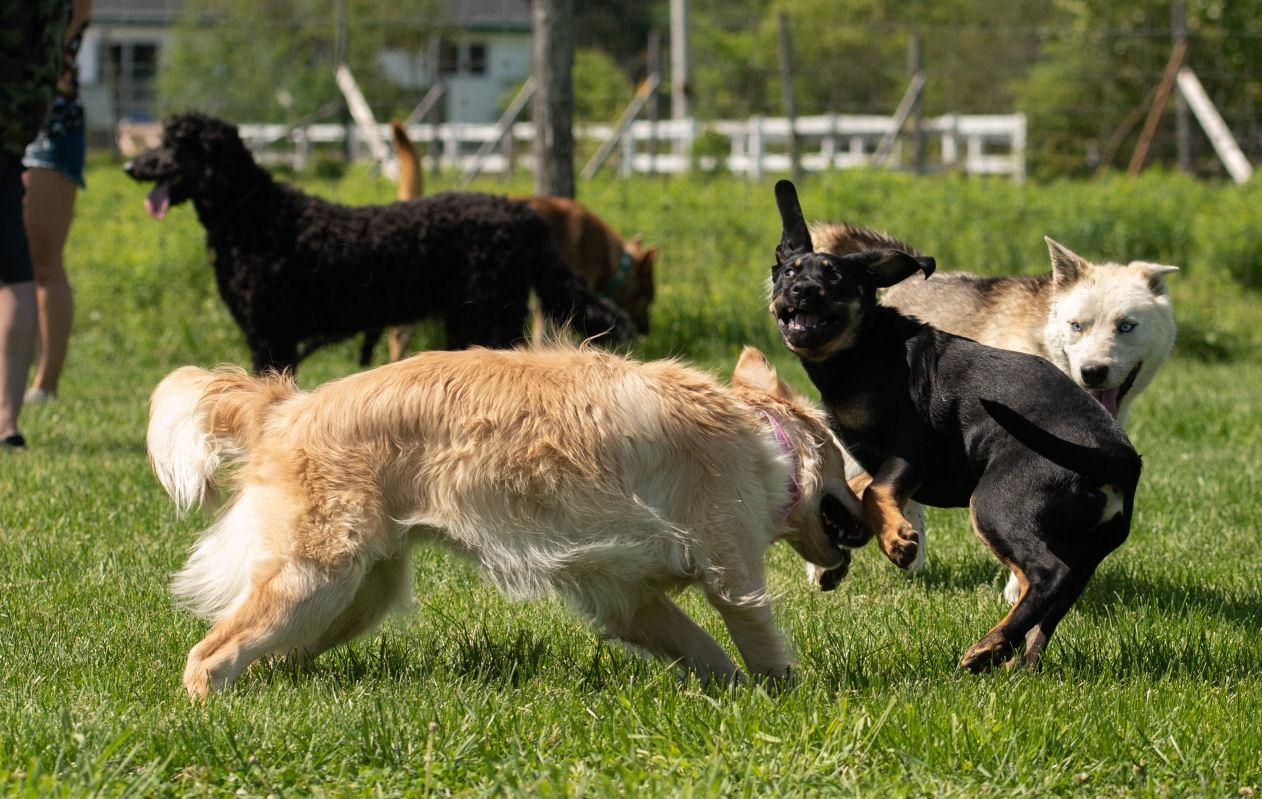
1182 129
553 107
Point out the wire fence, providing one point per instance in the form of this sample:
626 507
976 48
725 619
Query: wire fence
1075 90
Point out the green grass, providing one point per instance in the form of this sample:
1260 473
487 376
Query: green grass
1152 686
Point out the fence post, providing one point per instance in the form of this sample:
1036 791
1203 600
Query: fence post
755 148
917 108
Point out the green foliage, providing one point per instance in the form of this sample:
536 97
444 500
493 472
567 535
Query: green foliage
601 89
1151 687
1105 59
274 61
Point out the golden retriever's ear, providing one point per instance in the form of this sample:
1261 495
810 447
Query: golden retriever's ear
753 370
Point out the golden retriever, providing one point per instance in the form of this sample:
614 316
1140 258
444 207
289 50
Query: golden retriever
556 468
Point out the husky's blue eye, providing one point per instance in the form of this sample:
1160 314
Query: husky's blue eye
1076 326
1126 327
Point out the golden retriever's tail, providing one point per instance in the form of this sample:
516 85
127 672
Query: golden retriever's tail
410 185
199 419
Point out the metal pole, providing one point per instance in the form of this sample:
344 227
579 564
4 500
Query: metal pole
790 107
554 97
1183 126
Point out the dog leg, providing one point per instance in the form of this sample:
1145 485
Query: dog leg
399 338
385 586
282 612
882 510
739 595
915 513
661 628
1043 579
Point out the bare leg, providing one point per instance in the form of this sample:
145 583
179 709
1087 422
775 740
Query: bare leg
17 345
49 209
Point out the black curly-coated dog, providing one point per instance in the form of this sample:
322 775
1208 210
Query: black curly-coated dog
297 271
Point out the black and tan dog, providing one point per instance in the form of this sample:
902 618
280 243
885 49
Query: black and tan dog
947 421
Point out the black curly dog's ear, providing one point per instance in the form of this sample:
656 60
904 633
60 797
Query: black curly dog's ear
795 239
884 268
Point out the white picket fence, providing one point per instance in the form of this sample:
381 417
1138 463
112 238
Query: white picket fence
976 144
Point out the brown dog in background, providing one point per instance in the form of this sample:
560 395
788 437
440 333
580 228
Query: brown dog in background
617 269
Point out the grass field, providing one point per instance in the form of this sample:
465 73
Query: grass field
1152 686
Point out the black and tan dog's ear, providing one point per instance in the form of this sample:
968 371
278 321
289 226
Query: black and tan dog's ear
887 267
795 239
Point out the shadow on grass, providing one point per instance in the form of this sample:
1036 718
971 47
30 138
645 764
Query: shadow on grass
1107 591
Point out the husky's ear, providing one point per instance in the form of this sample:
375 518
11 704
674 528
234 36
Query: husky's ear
1155 274
753 370
886 267
1067 266
795 239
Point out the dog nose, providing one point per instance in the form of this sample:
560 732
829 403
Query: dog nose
1095 375
802 291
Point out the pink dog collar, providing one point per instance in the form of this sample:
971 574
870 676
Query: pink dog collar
795 488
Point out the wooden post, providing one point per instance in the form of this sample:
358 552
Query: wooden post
679 88
653 67
554 97
790 107
917 108
1159 102
1182 125
1212 123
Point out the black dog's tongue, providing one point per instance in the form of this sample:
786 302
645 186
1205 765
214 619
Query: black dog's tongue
158 201
1107 398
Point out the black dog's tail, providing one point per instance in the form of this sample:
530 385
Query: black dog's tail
1102 465
566 298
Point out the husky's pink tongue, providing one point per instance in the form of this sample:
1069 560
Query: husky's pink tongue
158 201
1107 398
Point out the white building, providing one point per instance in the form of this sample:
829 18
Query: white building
481 54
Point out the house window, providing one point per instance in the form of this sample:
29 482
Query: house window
448 58
133 68
477 59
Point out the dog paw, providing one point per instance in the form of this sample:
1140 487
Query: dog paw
840 525
901 546
986 654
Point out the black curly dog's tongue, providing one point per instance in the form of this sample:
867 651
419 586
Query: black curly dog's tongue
158 201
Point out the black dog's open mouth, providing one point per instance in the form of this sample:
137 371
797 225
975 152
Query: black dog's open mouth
803 329
1111 398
